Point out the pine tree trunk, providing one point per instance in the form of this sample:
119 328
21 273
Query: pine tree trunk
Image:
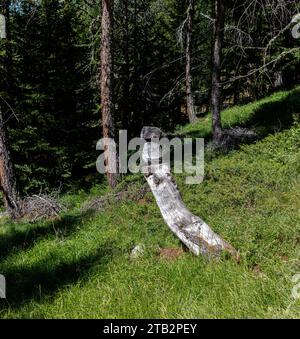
7 179
188 76
126 68
106 90
218 37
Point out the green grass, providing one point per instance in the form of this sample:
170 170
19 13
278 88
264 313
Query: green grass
79 266
265 116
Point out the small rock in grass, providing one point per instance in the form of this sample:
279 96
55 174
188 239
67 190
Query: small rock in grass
137 252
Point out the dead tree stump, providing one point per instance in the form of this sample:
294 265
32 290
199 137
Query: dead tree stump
194 233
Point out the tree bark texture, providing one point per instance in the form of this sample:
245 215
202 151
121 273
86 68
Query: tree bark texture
7 178
195 234
12 201
218 37
106 90
188 76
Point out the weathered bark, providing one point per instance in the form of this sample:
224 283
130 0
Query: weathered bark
189 228
4 10
2 26
7 178
106 91
7 60
188 77
126 68
12 201
218 37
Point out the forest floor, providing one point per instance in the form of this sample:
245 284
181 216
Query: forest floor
79 266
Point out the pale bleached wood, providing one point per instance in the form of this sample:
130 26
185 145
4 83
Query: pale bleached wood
195 234
2 27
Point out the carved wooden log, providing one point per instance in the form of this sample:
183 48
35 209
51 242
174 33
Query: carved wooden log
196 235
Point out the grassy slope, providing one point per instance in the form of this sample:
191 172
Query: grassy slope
266 116
79 266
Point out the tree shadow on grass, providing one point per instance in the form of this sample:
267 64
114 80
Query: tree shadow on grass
24 238
42 280
267 118
276 116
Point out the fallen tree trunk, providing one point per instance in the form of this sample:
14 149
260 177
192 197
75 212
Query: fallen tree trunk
195 234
